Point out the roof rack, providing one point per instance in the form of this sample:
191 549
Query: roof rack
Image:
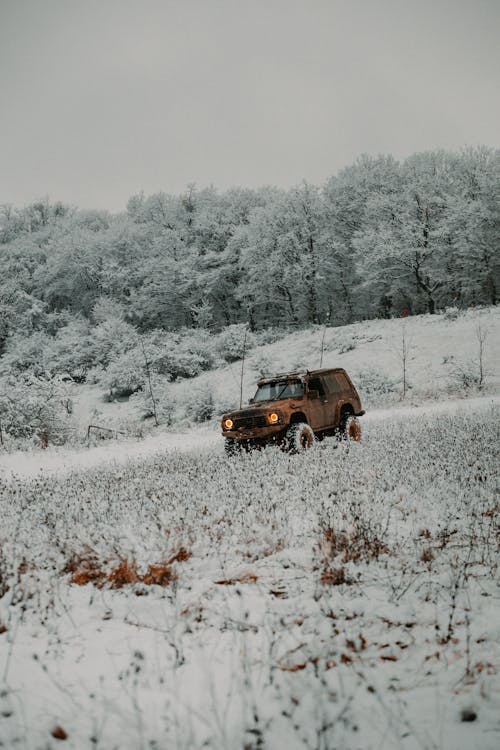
278 375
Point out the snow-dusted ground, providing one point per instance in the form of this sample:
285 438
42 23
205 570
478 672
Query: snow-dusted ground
197 439
346 598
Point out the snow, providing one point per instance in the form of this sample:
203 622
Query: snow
64 459
250 645
197 439
434 340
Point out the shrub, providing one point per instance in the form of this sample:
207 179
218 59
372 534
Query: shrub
112 338
200 405
451 313
374 381
464 375
181 355
125 375
36 408
262 365
345 345
32 354
234 341
164 403
269 336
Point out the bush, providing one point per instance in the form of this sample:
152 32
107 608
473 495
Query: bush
112 338
125 375
269 336
451 313
32 354
464 375
200 405
234 341
262 366
164 403
375 382
181 355
35 408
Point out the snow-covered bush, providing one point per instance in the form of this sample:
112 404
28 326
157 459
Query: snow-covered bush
451 313
155 398
374 381
32 407
200 405
32 354
346 344
269 336
262 366
234 341
181 355
375 387
224 404
72 351
464 375
112 338
107 308
125 375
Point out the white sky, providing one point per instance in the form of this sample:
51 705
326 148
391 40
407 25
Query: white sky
103 98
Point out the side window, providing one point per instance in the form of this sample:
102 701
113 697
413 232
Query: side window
342 381
332 383
315 384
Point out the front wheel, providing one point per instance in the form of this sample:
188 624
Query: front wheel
299 437
232 446
350 429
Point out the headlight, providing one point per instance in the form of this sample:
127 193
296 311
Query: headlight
228 423
273 418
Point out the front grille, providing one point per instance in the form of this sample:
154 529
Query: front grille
249 420
247 415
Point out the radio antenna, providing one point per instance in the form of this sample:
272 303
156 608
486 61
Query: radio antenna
323 339
243 366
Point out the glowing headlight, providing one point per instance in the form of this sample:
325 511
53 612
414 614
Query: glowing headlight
273 417
228 423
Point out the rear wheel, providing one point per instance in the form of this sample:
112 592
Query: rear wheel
299 437
350 428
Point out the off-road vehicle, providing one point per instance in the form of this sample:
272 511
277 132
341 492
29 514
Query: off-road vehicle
292 409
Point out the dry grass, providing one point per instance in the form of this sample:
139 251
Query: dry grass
247 577
86 568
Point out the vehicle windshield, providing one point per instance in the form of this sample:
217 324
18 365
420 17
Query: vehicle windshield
279 389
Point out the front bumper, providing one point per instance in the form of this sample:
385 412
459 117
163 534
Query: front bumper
254 433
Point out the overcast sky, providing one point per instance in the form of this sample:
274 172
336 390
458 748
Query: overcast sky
103 98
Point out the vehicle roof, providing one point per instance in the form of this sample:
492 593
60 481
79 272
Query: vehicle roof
298 374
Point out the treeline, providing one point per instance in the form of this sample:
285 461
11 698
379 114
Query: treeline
378 238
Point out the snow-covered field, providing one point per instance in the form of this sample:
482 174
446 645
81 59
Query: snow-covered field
157 594
345 598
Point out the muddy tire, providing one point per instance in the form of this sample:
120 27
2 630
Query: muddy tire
232 447
299 437
350 429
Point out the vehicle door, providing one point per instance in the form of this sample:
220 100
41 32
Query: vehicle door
334 390
317 403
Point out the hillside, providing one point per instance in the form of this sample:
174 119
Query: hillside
442 362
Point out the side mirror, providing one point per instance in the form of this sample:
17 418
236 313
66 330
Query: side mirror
313 394
250 401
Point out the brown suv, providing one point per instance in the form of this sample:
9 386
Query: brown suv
292 408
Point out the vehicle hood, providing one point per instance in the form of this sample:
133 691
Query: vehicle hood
264 407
